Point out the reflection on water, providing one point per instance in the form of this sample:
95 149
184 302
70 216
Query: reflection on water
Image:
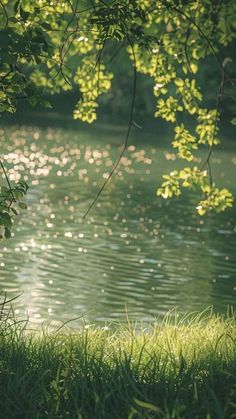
133 249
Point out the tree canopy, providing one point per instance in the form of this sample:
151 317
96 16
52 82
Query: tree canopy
51 46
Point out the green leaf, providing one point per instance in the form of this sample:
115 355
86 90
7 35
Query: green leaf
7 233
22 205
46 26
201 210
24 185
179 82
5 219
17 6
18 195
14 211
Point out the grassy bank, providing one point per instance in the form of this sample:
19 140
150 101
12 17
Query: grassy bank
180 369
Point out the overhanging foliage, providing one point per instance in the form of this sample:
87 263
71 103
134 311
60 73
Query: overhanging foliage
50 46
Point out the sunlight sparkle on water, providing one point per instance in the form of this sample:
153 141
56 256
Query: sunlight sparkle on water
132 246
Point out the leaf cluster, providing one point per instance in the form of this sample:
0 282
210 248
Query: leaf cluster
11 200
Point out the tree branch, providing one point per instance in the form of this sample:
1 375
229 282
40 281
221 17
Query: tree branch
127 133
7 179
218 102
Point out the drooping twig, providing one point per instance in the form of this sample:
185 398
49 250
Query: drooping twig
127 133
186 49
116 52
99 55
7 179
218 102
98 63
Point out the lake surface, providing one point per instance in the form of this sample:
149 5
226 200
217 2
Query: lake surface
134 251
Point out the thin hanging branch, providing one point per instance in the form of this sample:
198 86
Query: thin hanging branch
116 52
127 133
7 179
218 103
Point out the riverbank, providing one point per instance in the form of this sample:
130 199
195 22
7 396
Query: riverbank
184 368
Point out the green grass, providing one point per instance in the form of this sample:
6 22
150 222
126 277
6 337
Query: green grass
183 368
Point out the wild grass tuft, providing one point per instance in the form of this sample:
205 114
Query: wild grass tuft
182 368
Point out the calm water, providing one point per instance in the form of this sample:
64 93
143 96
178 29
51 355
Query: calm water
133 250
